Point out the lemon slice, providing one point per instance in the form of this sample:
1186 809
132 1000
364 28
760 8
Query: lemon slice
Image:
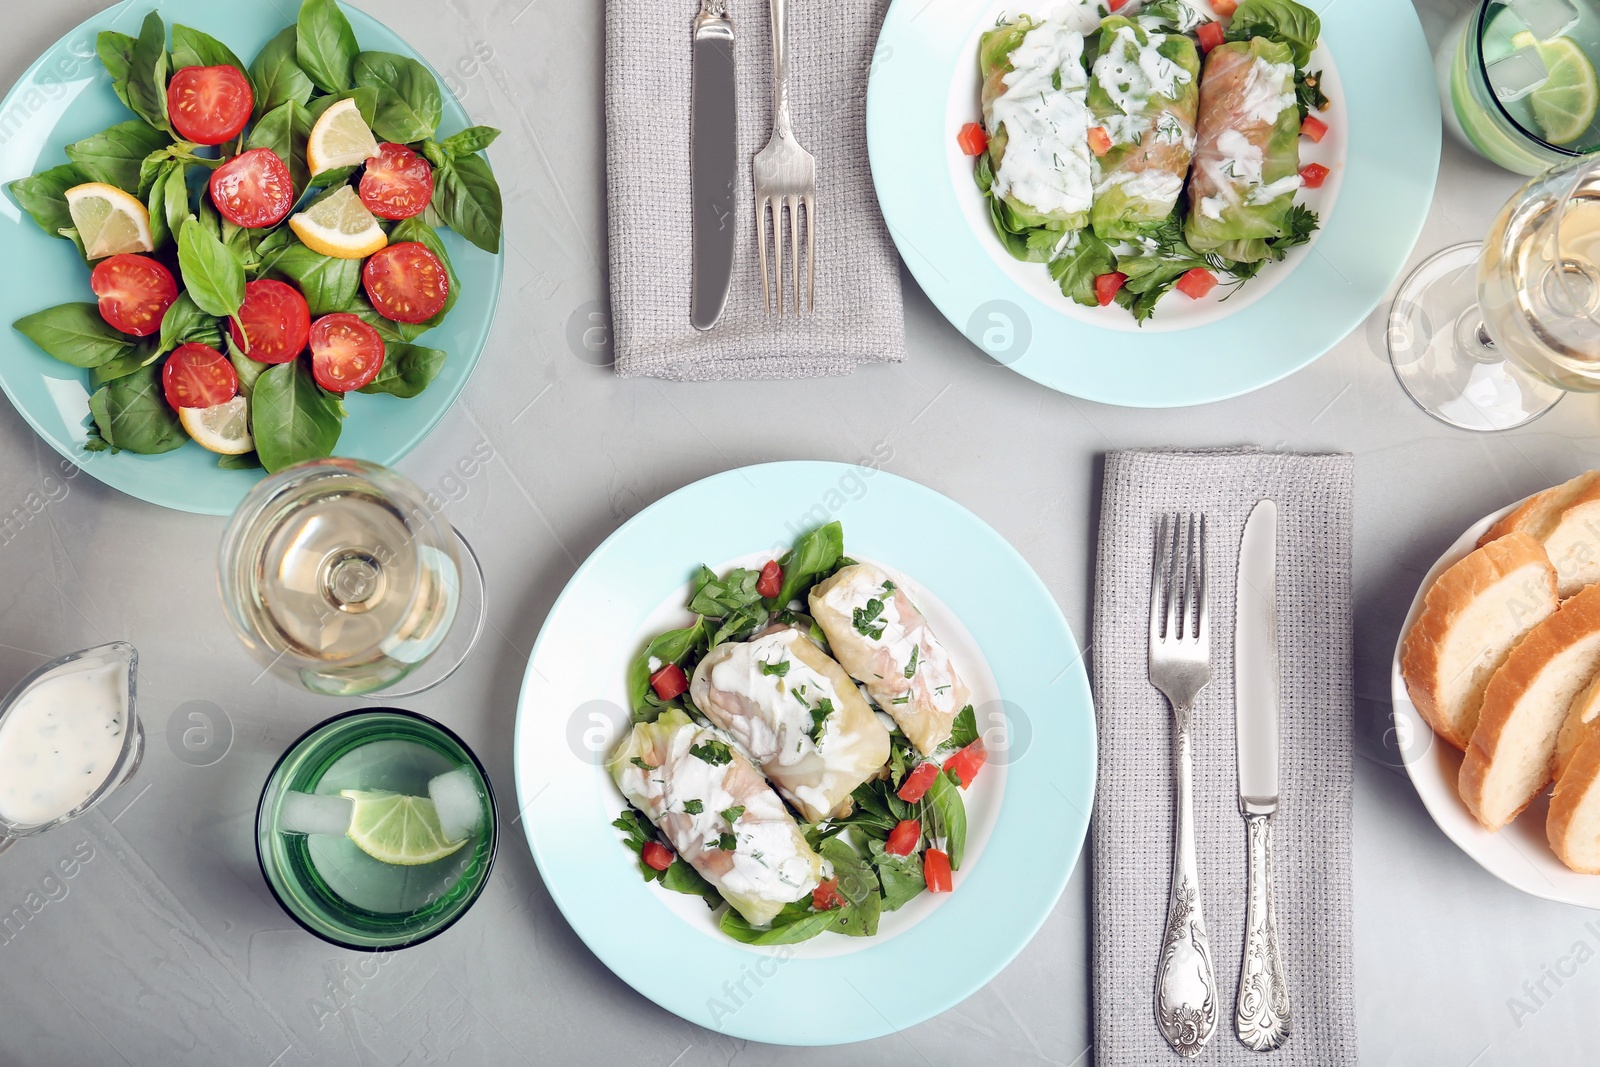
340 138
397 829
1565 105
108 220
340 226
224 429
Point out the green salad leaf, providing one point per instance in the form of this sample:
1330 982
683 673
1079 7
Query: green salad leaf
674 646
116 55
944 815
470 140
276 75
185 321
814 556
1278 20
285 129
679 877
293 418
328 283
196 48
1076 269
409 105
75 334
147 73
116 154
131 414
407 370
467 197
212 273
325 45
43 196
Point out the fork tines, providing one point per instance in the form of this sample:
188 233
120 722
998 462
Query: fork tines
1178 608
793 204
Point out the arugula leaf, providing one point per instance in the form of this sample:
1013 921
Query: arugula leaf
147 73
116 153
116 55
285 129
944 815
409 105
75 334
814 555
43 196
964 729
713 752
407 370
195 48
674 646
467 197
293 418
325 45
131 414
470 140
276 76
1076 269
212 273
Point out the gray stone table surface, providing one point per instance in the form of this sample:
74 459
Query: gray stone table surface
163 946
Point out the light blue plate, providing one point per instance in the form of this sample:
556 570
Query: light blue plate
1383 149
832 989
65 96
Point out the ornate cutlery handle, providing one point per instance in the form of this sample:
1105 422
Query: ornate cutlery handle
1261 1017
778 11
1186 987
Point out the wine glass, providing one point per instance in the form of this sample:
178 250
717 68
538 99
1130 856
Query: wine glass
343 576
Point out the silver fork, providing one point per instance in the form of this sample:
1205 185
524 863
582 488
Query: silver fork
785 177
1180 666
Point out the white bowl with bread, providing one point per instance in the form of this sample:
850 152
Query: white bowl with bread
1500 658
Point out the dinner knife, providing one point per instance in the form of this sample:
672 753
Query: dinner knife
1261 1009
713 144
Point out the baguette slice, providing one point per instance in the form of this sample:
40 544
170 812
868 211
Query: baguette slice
1524 706
1574 823
1471 617
1566 520
1583 720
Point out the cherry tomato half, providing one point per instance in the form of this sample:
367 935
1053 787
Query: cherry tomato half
397 183
406 282
253 189
277 322
198 376
134 292
209 104
346 353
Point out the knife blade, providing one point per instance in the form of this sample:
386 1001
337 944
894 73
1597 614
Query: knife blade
714 162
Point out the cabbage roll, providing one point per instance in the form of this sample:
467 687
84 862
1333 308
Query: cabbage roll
705 797
797 714
1036 111
1145 94
886 644
1247 160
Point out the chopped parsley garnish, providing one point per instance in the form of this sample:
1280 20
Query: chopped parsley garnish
712 752
727 842
911 668
866 619
888 587
693 807
819 719
798 692
638 761
732 814
775 670
1055 79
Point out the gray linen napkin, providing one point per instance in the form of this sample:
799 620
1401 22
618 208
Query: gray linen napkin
858 314
1132 832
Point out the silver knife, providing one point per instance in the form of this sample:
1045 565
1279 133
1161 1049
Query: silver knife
714 158
1261 1010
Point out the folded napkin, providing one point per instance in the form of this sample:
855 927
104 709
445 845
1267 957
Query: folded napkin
858 314
1132 832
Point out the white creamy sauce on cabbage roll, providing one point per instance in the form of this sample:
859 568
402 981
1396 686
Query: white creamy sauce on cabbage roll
1269 89
1047 162
933 672
1131 73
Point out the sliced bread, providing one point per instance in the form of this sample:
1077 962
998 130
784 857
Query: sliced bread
1566 520
1471 617
1574 823
1524 705
1583 719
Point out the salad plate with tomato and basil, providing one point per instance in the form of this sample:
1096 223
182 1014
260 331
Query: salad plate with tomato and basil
227 267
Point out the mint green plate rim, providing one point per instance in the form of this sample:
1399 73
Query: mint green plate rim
1000 901
66 95
1392 106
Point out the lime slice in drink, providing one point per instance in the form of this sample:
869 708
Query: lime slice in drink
396 828
1565 105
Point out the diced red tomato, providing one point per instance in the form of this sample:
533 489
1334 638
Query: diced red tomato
1099 140
198 376
669 682
903 838
936 870
406 282
397 183
826 897
917 783
346 353
253 189
973 139
277 322
1312 175
1211 34
1115 5
134 292
656 855
1314 128
1225 8
771 581
209 105
966 763
1196 283
1106 286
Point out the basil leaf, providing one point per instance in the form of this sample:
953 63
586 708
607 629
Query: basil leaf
365 96
285 129
246 368
859 919
147 73
112 369
276 76
116 55
132 414
468 198
75 334
325 45
244 461
470 140
407 370
671 647
796 923
392 332
175 199
212 273
900 876
44 197
327 283
435 153
408 96
185 321
1278 20
116 154
414 229
945 816
964 729
813 556
292 417
155 201
195 48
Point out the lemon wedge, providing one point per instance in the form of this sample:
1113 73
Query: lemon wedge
339 225
397 829
340 138
109 220
224 428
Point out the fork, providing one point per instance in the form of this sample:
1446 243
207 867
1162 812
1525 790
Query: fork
1180 666
785 177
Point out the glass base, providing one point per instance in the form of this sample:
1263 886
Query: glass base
1444 358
